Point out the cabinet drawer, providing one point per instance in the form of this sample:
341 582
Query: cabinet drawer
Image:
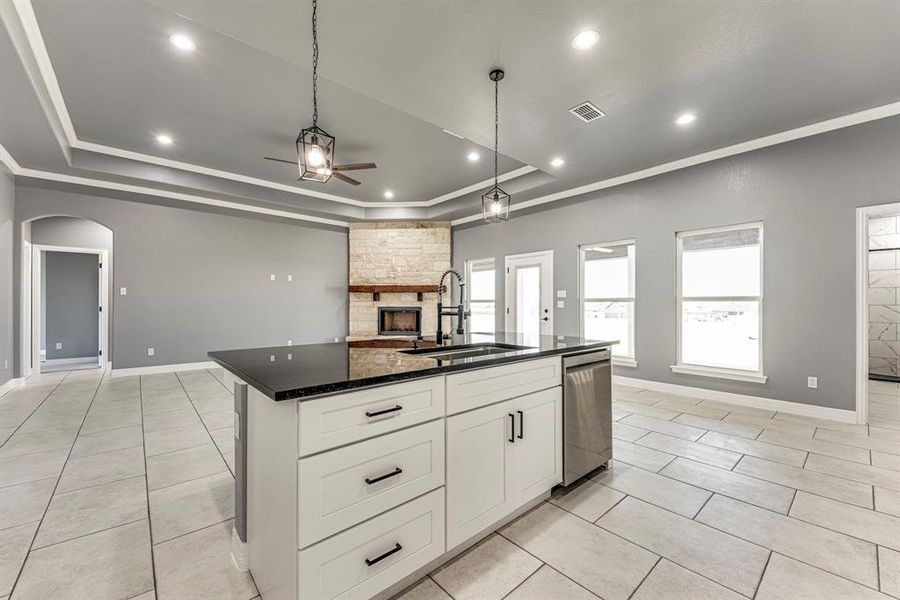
346 418
343 487
372 556
472 389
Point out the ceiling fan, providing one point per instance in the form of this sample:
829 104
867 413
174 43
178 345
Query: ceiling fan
315 147
332 170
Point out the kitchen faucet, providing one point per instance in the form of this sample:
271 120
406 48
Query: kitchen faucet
459 311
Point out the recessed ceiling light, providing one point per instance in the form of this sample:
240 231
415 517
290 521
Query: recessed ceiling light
686 119
585 39
388 194
164 139
182 42
557 162
473 156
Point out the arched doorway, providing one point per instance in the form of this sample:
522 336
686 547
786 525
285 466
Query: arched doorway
66 264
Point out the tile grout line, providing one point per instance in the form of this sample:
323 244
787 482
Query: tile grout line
659 559
40 404
763 575
187 533
147 484
209 435
521 583
58 478
84 535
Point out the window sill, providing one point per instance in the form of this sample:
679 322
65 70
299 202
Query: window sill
621 361
733 375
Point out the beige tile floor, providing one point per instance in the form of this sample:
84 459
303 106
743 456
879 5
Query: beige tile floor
705 500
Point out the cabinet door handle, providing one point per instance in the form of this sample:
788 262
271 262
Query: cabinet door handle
378 413
396 471
512 428
521 424
371 561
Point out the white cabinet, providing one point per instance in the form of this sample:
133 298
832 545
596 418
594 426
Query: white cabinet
473 389
500 457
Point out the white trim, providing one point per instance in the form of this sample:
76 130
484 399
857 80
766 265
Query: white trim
732 374
7 159
25 305
710 370
625 361
83 360
863 214
622 361
509 316
197 366
864 116
795 408
12 384
103 297
240 552
25 12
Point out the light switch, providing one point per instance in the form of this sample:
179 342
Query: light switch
59 345
290 277
151 351
560 304
123 291
812 383
290 342
272 277
560 293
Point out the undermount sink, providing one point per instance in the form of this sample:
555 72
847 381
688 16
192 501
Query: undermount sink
466 351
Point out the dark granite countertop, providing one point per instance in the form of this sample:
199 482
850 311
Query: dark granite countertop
306 371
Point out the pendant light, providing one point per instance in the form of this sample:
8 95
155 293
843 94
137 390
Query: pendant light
315 148
495 202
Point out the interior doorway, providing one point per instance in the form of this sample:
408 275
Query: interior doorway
529 295
878 315
69 325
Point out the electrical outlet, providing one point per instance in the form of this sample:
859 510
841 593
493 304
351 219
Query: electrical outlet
123 291
59 345
272 277
290 277
290 342
560 293
560 304
5 365
151 351
812 383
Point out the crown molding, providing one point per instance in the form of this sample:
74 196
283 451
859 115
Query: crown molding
857 118
10 163
38 50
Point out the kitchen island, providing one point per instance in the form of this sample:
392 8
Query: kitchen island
367 467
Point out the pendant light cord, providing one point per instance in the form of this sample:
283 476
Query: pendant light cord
315 35
496 127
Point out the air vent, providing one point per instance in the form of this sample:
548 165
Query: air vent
587 112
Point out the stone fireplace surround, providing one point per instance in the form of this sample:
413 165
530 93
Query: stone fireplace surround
396 253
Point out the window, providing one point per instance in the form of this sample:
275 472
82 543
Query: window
719 279
480 279
607 296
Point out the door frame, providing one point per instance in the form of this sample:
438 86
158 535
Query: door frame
509 295
863 214
103 297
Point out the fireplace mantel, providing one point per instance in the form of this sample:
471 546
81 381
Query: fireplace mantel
377 289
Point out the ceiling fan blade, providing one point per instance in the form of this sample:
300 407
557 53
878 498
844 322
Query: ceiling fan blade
354 167
290 162
344 178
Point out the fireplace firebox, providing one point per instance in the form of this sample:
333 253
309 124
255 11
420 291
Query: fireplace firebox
399 320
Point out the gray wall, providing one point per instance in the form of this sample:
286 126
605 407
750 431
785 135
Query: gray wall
199 281
7 205
71 295
804 191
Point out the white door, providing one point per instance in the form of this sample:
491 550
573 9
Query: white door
538 447
479 470
529 295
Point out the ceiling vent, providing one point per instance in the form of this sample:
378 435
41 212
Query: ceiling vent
587 112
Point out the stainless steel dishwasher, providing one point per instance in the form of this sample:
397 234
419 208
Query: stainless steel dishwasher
587 413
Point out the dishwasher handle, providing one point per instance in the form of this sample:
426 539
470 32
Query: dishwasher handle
586 358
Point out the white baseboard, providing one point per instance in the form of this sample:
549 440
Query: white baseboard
240 552
60 362
162 369
805 410
12 384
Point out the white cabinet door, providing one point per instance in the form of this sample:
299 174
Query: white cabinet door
538 445
479 470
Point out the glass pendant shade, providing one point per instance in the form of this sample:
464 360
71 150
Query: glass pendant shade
315 150
495 205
